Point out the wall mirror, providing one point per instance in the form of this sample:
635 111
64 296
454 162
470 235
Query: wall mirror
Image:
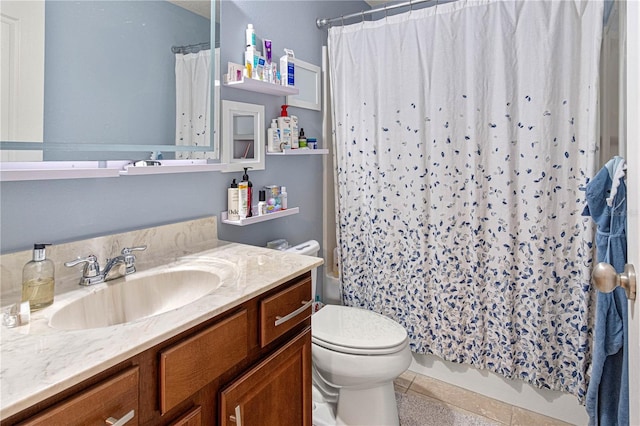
242 136
98 80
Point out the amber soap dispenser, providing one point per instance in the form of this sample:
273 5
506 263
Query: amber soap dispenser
38 280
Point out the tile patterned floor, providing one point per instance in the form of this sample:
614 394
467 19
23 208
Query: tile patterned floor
423 401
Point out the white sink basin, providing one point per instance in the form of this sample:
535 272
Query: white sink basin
135 297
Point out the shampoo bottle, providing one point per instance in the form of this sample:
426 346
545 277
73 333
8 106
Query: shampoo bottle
233 202
38 279
245 178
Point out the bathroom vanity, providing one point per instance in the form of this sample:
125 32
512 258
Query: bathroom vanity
220 359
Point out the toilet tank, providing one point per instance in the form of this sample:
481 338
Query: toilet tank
308 248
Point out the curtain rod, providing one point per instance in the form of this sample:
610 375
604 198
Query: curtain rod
323 22
191 48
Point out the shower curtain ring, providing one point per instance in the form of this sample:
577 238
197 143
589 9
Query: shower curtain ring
342 18
385 11
362 14
410 6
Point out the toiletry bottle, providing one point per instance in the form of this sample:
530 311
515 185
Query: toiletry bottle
250 62
38 279
283 198
273 138
262 203
250 35
294 132
233 202
284 124
245 178
243 188
302 139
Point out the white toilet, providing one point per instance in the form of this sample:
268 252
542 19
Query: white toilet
356 356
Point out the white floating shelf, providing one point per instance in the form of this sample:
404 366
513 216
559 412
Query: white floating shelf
173 166
257 219
260 86
301 151
52 170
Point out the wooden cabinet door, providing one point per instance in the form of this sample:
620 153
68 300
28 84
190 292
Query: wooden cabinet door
275 392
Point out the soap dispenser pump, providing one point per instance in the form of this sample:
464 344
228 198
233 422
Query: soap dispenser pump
245 178
38 279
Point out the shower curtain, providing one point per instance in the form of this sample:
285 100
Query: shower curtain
193 99
463 135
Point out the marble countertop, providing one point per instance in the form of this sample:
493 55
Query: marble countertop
38 361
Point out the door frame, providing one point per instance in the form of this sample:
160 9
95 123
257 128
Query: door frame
633 191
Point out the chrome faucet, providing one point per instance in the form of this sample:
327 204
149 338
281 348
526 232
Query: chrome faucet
116 267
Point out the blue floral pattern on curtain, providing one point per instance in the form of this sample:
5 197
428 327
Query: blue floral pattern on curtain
463 136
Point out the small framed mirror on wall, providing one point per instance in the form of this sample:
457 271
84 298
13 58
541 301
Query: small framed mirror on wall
242 136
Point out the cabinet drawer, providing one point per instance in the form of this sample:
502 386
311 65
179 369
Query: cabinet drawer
116 397
284 310
191 364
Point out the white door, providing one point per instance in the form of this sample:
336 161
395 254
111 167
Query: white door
22 76
633 197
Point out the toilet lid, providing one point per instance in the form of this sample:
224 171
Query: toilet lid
352 330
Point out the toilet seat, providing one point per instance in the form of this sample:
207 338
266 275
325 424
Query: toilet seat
356 331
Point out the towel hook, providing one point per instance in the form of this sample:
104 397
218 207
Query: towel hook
606 279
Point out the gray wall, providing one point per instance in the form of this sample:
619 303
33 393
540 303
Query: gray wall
68 210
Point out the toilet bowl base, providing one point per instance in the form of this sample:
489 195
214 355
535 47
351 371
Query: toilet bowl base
370 406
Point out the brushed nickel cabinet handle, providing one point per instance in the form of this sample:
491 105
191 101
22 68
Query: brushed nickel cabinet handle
305 305
122 421
237 419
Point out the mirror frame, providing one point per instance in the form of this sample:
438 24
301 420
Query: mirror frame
311 91
231 109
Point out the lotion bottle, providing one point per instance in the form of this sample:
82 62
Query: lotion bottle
262 203
283 198
294 132
250 35
273 138
284 125
38 279
243 188
233 202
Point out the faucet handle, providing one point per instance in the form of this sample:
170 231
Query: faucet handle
91 270
130 259
128 250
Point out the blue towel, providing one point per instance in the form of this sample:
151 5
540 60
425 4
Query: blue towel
608 391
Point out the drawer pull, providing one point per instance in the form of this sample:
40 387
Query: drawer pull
305 305
236 419
120 422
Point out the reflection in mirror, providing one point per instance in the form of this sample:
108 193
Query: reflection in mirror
109 87
242 140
